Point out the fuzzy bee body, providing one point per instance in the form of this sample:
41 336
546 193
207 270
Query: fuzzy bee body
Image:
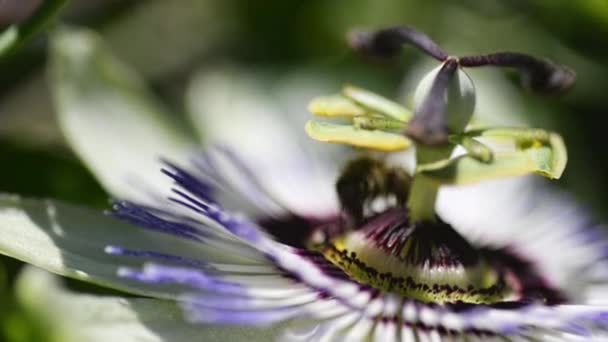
365 179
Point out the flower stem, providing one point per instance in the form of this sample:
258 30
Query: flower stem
421 203
423 194
15 36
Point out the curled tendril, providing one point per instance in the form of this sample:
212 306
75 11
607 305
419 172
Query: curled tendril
538 75
387 43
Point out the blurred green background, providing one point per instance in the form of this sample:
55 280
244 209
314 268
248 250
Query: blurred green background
167 41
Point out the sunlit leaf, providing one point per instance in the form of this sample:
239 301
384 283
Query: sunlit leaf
350 135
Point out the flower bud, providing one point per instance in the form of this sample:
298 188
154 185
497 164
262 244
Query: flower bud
460 97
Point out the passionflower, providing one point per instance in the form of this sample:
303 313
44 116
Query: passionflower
498 262
382 256
536 276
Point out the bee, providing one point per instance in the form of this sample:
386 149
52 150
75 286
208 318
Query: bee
366 179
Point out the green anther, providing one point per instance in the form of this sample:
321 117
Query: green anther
335 106
473 147
516 133
377 104
467 170
358 137
378 122
554 154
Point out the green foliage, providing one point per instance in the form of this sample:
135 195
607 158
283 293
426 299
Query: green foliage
14 37
54 173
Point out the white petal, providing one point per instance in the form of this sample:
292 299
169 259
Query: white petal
78 317
73 241
110 119
236 109
541 224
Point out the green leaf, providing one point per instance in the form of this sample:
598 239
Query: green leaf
378 104
109 117
65 316
63 178
70 241
350 135
467 170
15 36
8 39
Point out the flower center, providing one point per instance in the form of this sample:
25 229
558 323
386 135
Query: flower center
429 262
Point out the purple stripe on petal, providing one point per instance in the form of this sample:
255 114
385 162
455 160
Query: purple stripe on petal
115 250
233 223
185 179
237 225
600 320
187 205
194 202
509 329
219 162
140 216
577 329
161 274
215 268
244 230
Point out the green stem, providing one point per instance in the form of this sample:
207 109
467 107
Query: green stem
16 36
423 196
421 202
